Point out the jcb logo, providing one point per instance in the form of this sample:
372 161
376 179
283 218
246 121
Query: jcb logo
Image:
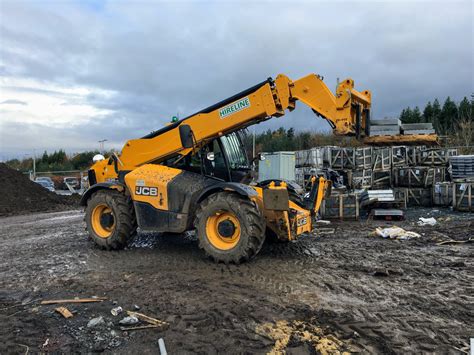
146 191
301 222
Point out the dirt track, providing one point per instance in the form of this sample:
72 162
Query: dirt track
343 291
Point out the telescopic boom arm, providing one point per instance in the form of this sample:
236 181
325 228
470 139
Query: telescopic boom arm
348 113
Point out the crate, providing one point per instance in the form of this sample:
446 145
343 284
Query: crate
341 158
436 175
463 196
311 157
401 196
357 178
413 155
363 158
419 197
443 194
341 205
399 156
437 156
381 159
421 176
381 179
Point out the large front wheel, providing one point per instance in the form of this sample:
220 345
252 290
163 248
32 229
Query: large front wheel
230 228
110 219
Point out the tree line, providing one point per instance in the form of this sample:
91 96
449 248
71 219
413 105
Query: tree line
446 120
56 161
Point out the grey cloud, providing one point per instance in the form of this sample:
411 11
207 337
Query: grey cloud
14 102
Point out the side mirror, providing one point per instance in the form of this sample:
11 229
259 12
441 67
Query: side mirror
186 136
259 156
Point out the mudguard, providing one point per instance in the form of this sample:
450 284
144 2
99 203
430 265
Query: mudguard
241 189
101 186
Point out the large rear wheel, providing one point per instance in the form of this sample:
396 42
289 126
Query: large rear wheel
230 228
110 219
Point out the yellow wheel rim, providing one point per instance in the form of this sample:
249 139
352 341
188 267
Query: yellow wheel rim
219 238
98 214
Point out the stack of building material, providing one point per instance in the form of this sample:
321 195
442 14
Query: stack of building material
385 127
417 128
377 197
462 166
418 175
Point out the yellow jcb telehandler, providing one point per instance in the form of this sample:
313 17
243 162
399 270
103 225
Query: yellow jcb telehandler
194 173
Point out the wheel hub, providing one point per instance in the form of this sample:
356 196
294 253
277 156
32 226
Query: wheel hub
106 220
226 228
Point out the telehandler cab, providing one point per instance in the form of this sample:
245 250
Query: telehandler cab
194 174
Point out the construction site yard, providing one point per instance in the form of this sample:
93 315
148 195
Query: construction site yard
334 291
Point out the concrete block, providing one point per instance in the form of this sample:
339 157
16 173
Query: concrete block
417 126
383 133
385 128
419 131
385 122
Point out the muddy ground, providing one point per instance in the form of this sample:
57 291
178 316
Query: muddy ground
341 291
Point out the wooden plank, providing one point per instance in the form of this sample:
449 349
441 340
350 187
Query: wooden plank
357 206
125 329
146 318
75 300
454 195
341 207
399 139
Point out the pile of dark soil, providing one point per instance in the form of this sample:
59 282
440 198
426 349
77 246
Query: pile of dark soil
19 195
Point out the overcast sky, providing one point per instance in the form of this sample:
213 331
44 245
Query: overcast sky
75 72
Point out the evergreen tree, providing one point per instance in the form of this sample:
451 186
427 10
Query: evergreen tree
448 117
465 110
44 158
416 115
406 115
290 133
436 115
428 113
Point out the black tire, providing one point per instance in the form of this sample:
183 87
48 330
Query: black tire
252 227
123 214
